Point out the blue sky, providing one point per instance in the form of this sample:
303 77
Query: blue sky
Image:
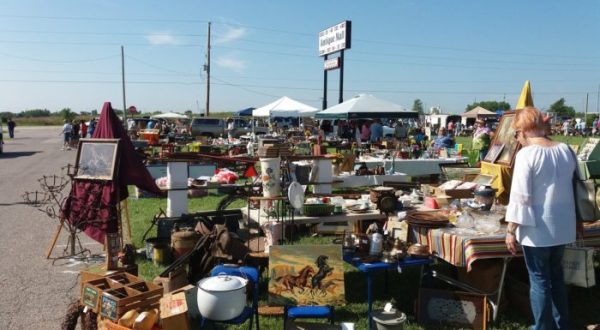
56 54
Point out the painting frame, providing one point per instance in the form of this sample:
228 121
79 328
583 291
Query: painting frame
493 153
484 179
306 275
97 159
505 134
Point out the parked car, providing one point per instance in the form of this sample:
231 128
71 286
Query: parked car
1 140
216 127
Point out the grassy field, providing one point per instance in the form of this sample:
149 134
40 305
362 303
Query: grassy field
401 287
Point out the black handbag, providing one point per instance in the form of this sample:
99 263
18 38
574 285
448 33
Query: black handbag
584 191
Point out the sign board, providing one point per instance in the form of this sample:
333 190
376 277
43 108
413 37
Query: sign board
132 110
332 64
335 38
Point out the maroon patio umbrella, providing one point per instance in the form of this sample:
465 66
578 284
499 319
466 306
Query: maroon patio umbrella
92 205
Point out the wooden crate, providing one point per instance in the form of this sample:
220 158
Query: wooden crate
142 295
92 290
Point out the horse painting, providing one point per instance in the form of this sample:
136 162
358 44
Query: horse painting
306 275
299 281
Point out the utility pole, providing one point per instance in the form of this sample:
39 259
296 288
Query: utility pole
587 96
123 83
207 69
598 103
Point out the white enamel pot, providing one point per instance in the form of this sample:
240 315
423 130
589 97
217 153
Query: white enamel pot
222 297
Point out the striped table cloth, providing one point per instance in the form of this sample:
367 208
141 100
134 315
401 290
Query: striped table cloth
462 250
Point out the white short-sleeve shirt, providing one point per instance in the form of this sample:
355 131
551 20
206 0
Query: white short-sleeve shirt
541 196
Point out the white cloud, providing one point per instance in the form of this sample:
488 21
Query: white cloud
231 63
161 38
232 34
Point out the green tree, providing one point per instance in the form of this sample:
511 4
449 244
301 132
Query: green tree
560 109
490 105
418 106
35 113
189 113
67 114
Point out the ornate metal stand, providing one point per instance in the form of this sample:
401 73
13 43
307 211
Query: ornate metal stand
51 199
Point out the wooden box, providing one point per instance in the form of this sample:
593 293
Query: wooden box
454 193
92 290
117 301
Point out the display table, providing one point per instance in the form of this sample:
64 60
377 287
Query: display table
369 268
259 216
349 181
410 167
463 250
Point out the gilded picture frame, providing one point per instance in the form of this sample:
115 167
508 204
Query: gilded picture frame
505 135
97 159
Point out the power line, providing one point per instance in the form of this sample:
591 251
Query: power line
316 89
304 34
58 61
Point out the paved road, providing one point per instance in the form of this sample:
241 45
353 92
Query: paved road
34 293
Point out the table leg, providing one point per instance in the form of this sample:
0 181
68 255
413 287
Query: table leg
369 300
500 288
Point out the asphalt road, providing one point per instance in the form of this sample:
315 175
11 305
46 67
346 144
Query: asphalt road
34 293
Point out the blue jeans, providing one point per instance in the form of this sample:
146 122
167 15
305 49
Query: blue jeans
547 294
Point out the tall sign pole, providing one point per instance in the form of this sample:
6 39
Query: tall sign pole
123 84
341 98
332 40
207 68
325 86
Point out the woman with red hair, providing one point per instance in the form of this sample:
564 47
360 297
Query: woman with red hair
541 215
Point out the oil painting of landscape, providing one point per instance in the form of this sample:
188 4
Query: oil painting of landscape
306 275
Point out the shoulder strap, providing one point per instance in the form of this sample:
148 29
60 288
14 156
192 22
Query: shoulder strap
576 173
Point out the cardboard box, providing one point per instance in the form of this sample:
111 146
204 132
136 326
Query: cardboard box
174 310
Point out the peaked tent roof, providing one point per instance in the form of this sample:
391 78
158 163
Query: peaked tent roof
285 107
478 112
92 204
526 99
366 106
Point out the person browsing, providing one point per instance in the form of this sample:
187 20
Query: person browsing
541 216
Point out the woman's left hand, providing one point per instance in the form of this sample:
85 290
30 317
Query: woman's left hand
511 243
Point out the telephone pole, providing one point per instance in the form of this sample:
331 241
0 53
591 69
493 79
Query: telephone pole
207 69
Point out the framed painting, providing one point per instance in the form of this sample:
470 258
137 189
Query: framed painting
97 159
306 275
505 135
484 179
445 308
493 153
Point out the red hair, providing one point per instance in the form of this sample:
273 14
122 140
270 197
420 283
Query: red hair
529 119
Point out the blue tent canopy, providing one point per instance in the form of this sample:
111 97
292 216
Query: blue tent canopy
244 112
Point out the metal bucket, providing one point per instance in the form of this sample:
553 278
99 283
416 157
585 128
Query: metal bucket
183 241
302 174
151 243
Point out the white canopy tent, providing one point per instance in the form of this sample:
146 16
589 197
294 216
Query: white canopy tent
478 112
170 115
285 107
366 106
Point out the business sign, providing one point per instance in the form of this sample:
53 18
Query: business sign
335 38
332 64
